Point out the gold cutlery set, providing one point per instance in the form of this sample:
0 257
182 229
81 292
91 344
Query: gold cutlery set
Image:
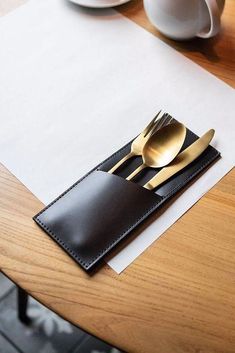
159 146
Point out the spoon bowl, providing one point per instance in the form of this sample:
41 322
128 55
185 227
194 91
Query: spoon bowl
162 147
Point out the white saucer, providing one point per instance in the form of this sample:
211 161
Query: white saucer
99 3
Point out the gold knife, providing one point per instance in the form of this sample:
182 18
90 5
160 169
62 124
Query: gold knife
182 160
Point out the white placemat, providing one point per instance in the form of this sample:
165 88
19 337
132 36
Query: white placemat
76 84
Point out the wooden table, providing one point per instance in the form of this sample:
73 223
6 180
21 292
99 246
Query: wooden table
179 296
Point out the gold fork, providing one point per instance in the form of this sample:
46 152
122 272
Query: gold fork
139 142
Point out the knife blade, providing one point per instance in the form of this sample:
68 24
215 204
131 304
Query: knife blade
182 160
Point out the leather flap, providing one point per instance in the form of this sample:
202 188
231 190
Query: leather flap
95 214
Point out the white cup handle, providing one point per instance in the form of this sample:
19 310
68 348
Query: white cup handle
215 14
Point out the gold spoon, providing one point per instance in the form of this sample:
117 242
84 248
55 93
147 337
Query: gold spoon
162 147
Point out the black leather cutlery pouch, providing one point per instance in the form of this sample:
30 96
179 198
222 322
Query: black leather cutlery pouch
96 213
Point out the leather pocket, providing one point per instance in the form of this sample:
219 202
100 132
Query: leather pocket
95 214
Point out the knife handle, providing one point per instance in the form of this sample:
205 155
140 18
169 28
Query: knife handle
166 173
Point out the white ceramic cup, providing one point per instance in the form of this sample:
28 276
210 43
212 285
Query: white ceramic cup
185 19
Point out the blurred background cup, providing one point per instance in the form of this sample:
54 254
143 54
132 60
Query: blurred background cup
185 19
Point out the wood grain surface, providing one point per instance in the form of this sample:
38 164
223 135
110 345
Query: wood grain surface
177 297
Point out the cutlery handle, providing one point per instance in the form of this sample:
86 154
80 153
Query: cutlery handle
163 175
136 171
118 164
